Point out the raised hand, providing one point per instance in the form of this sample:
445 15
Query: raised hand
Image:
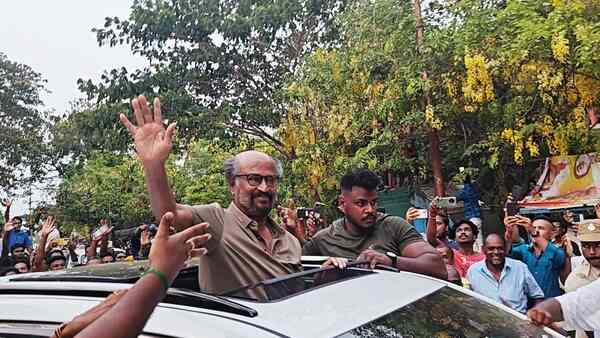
411 214
47 226
169 253
8 226
153 142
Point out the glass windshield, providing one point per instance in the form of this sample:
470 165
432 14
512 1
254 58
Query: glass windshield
279 288
448 313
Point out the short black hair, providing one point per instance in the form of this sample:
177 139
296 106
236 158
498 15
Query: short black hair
543 218
22 260
18 245
107 253
17 218
359 177
56 258
474 229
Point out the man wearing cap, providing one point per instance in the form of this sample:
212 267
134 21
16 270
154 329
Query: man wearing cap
589 271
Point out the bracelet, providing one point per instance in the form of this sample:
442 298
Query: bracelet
161 276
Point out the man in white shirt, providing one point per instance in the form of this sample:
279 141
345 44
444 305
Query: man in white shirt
579 309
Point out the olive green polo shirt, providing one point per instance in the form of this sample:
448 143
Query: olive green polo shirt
389 233
237 256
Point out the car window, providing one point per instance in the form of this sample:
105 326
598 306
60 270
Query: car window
448 313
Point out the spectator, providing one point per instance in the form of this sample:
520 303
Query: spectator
502 279
57 262
127 311
465 232
363 229
107 257
47 227
102 239
589 270
448 257
22 265
563 241
437 228
246 245
546 261
17 235
579 309
470 197
18 251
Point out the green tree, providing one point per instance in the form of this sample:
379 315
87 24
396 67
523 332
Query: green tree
22 125
218 65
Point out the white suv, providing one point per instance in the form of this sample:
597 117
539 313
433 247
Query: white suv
353 302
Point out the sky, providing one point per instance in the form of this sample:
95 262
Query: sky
55 39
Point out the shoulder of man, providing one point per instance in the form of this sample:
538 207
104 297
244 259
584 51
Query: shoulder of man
329 230
475 268
207 212
396 222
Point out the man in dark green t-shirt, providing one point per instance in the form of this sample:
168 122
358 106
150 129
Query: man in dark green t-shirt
365 234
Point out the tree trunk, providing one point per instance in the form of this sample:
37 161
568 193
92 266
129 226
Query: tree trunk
434 139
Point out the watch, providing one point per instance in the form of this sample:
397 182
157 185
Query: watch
393 257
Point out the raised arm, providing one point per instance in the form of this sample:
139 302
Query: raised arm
7 205
40 255
153 145
431 233
167 256
8 227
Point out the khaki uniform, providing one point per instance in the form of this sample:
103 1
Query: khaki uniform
585 273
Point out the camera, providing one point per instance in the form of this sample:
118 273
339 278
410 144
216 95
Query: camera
303 213
445 202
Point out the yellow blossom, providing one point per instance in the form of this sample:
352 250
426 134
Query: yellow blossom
560 47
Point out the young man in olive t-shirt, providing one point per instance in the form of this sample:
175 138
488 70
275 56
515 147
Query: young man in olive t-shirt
365 234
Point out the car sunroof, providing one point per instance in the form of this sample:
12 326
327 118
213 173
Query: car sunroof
294 284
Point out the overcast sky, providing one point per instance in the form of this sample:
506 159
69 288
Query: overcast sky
55 39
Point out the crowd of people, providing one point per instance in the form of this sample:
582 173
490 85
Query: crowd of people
241 244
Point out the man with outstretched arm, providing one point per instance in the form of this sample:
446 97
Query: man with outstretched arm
246 246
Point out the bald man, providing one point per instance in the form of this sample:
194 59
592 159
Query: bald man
246 246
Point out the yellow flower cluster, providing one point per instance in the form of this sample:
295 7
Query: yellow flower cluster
532 147
588 89
516 139
560 47
478 87
433 121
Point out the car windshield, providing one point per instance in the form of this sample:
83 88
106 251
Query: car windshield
447 313
284 287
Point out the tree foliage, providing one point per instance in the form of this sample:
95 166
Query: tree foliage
22 125
217 64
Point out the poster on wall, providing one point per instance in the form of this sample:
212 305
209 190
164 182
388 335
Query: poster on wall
567 181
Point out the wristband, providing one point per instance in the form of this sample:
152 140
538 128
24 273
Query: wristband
161 276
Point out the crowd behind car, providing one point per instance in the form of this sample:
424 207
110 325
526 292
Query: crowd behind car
526 268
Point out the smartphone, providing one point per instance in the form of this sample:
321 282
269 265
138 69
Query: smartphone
100 231
423 213
512 209
303 213
445 202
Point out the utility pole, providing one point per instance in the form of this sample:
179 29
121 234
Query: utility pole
432 134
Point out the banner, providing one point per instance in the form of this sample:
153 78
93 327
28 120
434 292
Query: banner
567 181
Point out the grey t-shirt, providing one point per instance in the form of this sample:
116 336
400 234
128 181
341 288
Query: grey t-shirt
390 233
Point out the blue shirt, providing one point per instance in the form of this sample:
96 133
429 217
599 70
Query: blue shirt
515 285
18 237
545 267
470 198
